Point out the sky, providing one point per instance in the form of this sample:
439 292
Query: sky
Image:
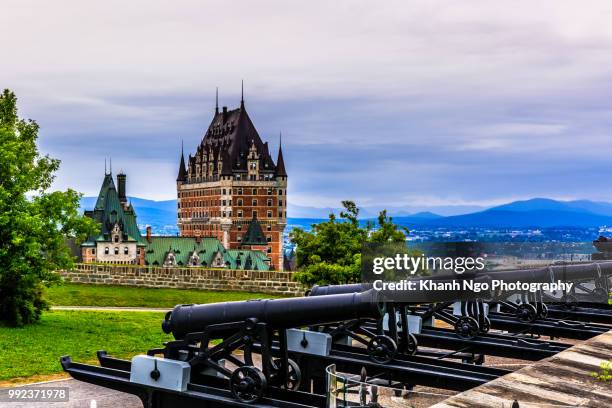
422 104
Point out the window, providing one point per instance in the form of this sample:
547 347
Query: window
269 238
254 191
223 191
126 250
269 214
240 191
254 214
239 227
269 250
239 238
93 251
269 227
116 238
240 201
280 192
239 213
106 250
280 203
254 203
269 202
269 191
223 203
116 250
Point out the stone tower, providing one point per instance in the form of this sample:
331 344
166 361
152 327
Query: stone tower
232 181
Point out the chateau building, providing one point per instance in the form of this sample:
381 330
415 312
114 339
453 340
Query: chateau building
120 241
231 188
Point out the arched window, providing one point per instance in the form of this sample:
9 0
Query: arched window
116 250
106 250
126 250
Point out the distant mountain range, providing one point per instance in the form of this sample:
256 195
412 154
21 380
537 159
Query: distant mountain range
536 213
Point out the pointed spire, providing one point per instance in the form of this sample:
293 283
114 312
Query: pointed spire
242 94
182 173
110 165
280 162
105 172
217 101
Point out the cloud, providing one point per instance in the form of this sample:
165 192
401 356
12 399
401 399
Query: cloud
424 101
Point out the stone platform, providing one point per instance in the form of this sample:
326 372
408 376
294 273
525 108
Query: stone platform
564 380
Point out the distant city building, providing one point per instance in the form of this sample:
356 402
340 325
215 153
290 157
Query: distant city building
120 241
231 188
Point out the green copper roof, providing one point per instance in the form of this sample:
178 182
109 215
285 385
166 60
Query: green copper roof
109 211
106 184
254 234
206 249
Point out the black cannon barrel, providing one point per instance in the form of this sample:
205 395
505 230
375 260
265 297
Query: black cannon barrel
575 272
322 290
278 313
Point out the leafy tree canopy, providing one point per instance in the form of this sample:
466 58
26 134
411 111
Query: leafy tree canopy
331 252
34 222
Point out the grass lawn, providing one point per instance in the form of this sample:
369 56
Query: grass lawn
36 349
72 294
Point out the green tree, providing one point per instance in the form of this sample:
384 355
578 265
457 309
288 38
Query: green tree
331 252
34 222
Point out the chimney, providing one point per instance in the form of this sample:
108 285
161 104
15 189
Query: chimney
121 188
149 234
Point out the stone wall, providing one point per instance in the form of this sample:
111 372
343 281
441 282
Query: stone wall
269 282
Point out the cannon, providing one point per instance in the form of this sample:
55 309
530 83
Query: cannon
278 313
471 319
203 365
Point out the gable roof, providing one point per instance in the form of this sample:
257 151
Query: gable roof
228 139
254 234
109 211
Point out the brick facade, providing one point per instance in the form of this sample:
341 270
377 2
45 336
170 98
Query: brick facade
230 181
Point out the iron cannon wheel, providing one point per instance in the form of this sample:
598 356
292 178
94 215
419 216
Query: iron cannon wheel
467 327
294 375
248 384
382 349
543 310
412 344
526 312
486 325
